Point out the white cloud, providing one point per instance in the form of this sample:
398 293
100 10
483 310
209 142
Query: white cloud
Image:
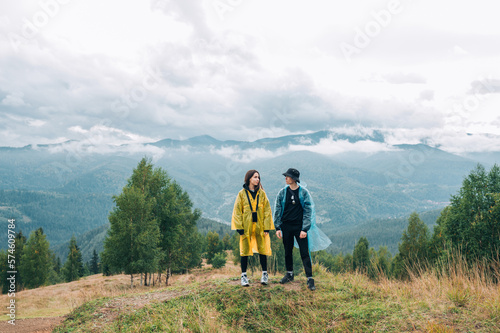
14 99
78 149
246 155
463 142
104 135
36 123
401 78
176 69
333 147
458 50
354 130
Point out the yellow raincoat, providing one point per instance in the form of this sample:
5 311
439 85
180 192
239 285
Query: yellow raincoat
253 240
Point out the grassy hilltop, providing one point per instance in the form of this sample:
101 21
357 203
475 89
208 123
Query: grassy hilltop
211 300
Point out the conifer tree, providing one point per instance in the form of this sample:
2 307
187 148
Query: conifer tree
383 263
339 264
57 265
11 263
86 269
73 267
55 271
20 242
94 263
4 268
214 246
35 261
413 249
361 255
226 241
414 246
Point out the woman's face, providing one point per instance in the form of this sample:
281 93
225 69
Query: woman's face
255 180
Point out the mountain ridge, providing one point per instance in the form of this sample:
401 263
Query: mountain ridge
349 187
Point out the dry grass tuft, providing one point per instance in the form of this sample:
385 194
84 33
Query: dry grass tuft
457 284
432 327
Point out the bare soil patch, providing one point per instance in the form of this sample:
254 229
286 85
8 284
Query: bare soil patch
31 325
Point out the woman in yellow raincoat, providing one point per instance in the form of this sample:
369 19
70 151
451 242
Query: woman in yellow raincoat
253 219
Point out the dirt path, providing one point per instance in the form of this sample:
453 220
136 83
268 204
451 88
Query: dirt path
31 325
120 305
107 313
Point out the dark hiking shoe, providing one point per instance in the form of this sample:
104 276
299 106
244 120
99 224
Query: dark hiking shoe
310 284
287 278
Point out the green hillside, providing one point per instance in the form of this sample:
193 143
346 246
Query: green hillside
379 232
213 301
87 243
60 215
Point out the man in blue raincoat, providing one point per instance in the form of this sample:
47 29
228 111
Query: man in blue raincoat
295 223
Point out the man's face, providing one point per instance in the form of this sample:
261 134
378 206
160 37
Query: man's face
289 180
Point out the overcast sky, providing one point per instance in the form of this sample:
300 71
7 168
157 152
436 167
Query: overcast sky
137 71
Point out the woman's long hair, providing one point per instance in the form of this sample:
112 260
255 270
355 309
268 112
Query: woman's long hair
249 175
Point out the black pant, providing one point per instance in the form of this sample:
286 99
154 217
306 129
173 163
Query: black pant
244 263
289 233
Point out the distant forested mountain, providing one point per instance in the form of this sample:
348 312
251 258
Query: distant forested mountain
67 188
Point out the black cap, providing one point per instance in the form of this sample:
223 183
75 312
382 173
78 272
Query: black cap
293 173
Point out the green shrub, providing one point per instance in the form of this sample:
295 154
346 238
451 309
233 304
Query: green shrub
219 260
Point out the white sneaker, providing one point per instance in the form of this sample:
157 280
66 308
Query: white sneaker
265 278
244 281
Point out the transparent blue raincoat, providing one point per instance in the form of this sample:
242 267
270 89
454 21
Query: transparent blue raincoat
316 238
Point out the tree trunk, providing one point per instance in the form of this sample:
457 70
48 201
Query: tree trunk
146 278
168 276
131 281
